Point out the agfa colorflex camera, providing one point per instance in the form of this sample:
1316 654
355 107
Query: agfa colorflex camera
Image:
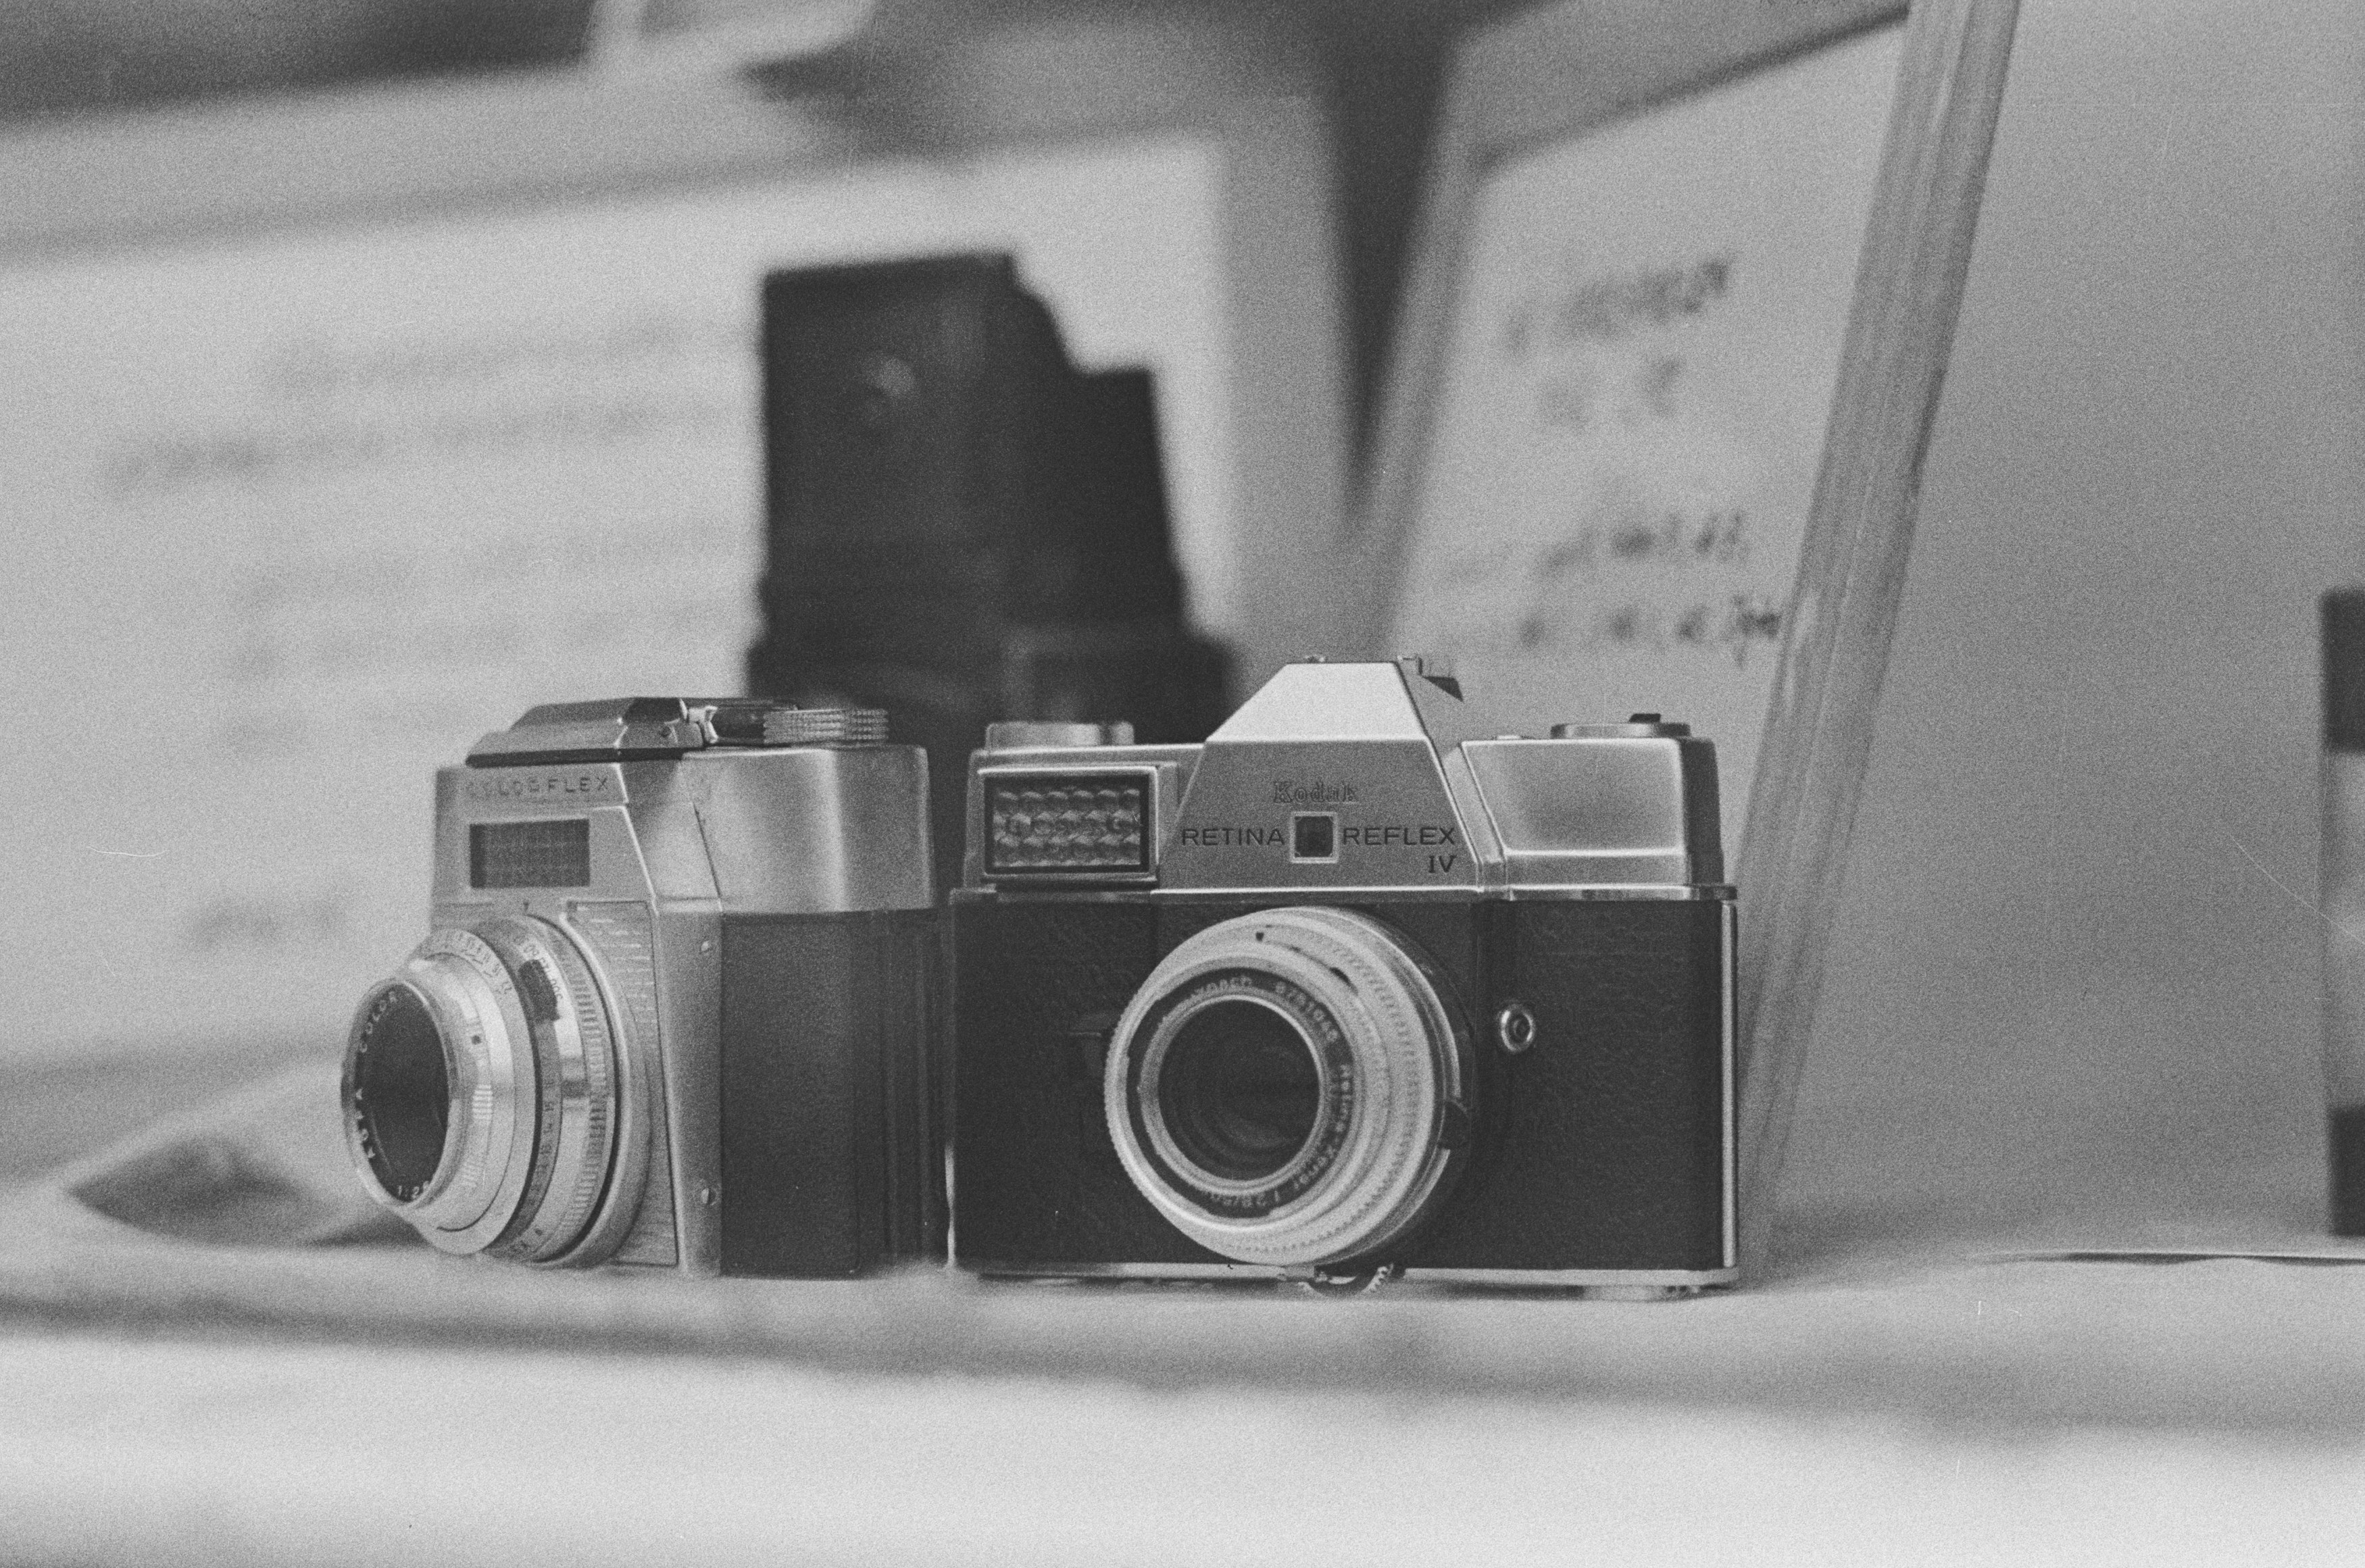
676 1006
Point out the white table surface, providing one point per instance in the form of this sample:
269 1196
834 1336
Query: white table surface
114 1450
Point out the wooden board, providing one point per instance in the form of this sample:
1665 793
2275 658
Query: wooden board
1683 292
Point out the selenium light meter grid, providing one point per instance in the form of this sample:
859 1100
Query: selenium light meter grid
1053 823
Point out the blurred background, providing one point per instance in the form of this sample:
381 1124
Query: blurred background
1377 65
2076 983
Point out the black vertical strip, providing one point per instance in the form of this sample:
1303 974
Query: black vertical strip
912 1161
2346 1132
864 1107
2344 670
890 1083
935 1096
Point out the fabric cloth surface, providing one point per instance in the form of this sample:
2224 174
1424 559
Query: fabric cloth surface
243 1212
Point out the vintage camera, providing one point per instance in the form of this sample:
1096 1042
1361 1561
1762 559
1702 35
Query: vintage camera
964 525
676 1003
1343 995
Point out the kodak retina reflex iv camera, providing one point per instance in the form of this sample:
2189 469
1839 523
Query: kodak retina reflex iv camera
674 1005
1344 996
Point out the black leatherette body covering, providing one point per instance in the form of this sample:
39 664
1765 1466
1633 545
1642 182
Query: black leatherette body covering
1035 1179
828 1117
1602 1146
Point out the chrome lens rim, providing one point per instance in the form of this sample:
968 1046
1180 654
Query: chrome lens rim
531 1058
362 1123
1394 1060
472 1003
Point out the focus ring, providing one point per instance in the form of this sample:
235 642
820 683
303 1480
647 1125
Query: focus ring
574 1070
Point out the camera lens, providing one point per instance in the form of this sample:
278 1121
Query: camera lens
1285 1086
1241 1091
484 1093
403 1092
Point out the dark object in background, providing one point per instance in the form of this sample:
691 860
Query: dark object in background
674 1009
2343 902
1322 1021
964 529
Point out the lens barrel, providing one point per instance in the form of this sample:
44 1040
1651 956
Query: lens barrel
482 1090
1287 1087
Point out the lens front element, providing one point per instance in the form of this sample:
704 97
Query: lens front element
1240 1089
1284 1087
403 1092
481 1091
